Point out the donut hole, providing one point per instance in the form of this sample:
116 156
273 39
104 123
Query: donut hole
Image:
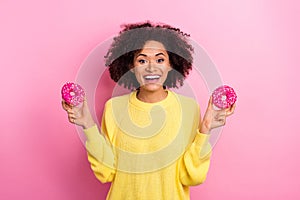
223 97
72 93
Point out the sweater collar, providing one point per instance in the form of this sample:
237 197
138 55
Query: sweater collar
145 105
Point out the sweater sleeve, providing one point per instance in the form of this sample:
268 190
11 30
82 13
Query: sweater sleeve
195 162
100 152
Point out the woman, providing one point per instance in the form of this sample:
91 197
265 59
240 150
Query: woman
153 143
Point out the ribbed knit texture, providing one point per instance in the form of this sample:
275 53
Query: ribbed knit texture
149 151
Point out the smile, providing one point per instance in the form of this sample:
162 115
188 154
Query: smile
151 77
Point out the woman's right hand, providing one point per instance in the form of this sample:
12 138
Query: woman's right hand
79 115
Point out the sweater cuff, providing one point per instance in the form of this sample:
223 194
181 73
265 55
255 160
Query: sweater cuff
201 138
92 132
202 142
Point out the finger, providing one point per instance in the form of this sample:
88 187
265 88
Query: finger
85 100
70 111
220 113
72 120
85 104
72 116
233 107
220 118
222 121
85 107
65 105
231 110
210 103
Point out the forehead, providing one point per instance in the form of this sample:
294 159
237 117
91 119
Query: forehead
151 46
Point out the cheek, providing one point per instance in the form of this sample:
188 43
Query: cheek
137 73
168 66
166 69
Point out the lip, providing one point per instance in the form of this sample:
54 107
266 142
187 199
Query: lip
151 78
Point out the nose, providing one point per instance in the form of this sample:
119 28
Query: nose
150 67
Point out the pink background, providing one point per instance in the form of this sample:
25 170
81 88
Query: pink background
254 44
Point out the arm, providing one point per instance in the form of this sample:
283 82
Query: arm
100 155
194 163
100 151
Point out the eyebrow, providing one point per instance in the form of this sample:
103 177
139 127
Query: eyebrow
158 54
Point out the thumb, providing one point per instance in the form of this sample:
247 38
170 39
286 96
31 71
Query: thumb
86 108
85 105
210 103
85 102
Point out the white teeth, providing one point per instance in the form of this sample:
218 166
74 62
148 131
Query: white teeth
152 77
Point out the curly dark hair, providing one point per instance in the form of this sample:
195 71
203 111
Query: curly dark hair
131 40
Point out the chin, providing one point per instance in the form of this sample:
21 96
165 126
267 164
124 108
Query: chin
152 87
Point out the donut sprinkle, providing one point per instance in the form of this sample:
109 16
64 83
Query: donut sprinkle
223 97
72 93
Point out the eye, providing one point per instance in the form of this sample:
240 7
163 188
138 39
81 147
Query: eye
160 60
142 61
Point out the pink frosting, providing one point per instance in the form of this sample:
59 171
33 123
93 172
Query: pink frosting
72 93
224 96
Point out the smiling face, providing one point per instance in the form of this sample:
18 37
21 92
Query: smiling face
151 66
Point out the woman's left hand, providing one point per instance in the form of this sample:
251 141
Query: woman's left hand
214 118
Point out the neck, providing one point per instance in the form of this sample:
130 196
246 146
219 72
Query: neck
152 96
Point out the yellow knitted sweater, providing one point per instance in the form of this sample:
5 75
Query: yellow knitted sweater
149 151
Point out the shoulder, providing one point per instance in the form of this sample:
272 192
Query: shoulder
117 101
188 105
113 108
187 101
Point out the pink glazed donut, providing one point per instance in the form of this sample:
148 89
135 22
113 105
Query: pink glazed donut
223 97
72 93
